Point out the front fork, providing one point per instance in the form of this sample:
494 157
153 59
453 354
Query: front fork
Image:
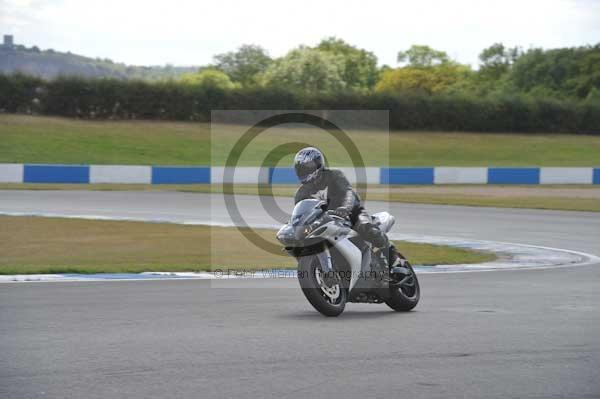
325 259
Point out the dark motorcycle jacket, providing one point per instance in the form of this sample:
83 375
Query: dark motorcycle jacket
333 187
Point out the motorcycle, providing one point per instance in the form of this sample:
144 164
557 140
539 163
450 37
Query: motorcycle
336 266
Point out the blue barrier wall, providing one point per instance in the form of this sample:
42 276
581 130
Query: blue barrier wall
406 176
56 174
180 175
282 176
514 176
16 173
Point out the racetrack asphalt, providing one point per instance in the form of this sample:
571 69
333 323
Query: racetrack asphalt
525 334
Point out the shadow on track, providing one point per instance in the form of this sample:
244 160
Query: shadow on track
348 315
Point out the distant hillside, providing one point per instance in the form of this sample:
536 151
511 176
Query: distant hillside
50 64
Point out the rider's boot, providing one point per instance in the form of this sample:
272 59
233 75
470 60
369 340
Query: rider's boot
384 248
396 262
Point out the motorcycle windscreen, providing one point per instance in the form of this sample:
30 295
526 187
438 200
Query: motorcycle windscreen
305 210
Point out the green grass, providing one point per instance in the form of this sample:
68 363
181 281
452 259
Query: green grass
560 201
54 245
60 140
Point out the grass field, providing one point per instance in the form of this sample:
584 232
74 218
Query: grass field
55 245
572 198
59 140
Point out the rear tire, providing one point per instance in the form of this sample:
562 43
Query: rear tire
328 299
405 294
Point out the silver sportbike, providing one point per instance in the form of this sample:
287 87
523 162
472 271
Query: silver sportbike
335 265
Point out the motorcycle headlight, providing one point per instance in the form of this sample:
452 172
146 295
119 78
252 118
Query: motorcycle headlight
286 234
311 228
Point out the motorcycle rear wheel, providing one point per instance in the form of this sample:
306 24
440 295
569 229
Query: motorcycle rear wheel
324 294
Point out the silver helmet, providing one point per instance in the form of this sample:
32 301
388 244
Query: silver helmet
308 163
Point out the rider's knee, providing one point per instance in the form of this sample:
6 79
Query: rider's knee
379 238
373 234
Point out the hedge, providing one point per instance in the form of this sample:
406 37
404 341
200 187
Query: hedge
118 99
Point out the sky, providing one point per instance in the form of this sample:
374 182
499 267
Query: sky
191 32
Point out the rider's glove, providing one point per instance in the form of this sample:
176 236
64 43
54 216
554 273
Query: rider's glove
341 212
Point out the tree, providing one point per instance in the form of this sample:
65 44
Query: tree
245 64
359 66
562 72
497 59
208 78
593 96
435 79
307 69
587 82
419 56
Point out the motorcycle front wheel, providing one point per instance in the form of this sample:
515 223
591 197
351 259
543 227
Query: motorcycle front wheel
405 291
324 291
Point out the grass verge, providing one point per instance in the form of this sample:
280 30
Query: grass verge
55 245
34 139
557 203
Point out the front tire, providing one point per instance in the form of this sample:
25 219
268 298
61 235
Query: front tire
405 291
325 293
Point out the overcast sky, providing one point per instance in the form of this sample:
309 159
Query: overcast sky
183 32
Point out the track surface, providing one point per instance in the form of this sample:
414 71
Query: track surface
519 334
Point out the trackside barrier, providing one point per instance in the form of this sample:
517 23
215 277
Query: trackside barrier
120 174
596 176
513 176
180 175
56 174
406 176
140 174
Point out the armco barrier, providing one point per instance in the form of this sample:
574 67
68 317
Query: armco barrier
18 173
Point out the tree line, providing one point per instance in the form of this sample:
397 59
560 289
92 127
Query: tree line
533 90
334 66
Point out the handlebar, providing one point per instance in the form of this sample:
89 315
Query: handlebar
346 221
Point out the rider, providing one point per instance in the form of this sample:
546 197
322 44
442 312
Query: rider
331 185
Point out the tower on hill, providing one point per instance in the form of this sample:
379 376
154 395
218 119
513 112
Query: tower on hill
8 41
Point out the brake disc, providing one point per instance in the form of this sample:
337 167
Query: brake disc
332 292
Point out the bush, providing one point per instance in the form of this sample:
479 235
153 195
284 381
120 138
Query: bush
20 93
